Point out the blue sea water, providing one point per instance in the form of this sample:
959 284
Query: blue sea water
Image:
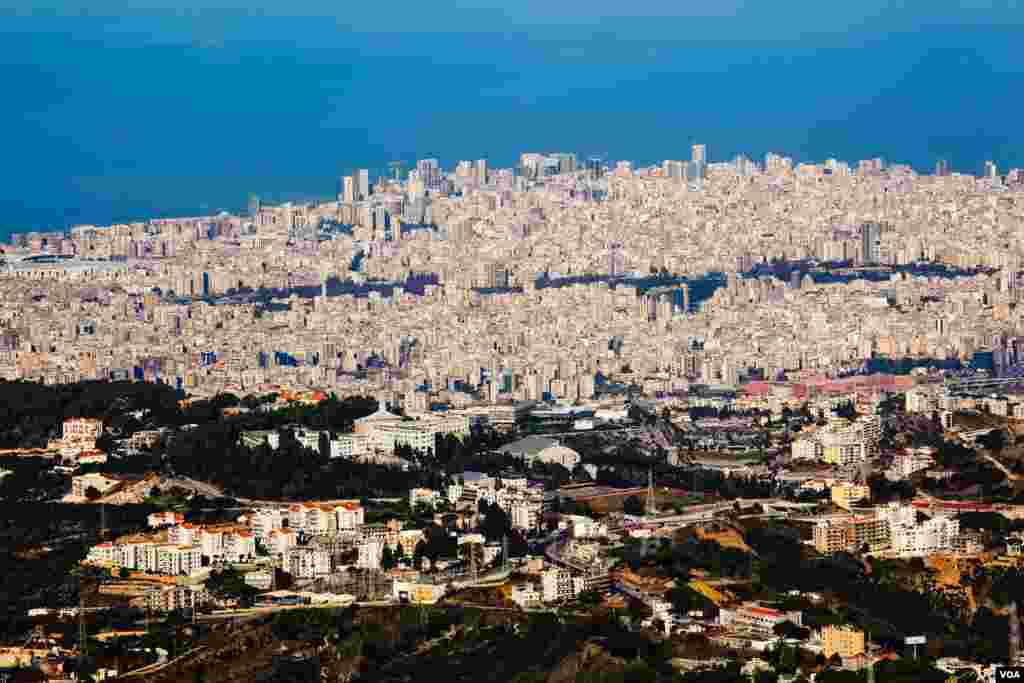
115 113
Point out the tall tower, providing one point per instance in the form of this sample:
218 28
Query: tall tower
363 184
651 510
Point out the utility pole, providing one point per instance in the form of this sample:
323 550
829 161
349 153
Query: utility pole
82 634
870 664
1014 634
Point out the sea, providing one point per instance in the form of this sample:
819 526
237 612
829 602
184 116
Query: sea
115 113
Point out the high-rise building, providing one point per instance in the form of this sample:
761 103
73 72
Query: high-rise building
430 171
699 154
871 242
348 189
616 260
942 168
362 184
566 162
595 167
481 171
254 205
991 170
698 162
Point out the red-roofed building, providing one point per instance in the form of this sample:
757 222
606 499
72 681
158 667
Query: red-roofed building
756 619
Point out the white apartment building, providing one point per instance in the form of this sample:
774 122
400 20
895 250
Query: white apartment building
279 541
426 497
308 438
183 534
806 449
911 538
922 399
558 584
228 545
350 446
260 580
159 519
912 460
585 527
307 562
756 619
349 516
175 560
525 595
370 553
264 520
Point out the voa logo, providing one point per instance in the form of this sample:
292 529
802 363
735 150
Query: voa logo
1014 673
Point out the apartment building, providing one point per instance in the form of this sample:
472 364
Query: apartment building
525 595
851 534
81 432
279 541
912 460
428 497
161 519
264 520
349 516
306 562
756 619
806 449
257 438
844 495
558 584
175 560
845 641
350 446
370 553
171 598
101 482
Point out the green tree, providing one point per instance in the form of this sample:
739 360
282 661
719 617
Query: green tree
388 558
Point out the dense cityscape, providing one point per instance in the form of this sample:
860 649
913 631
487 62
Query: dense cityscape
569 421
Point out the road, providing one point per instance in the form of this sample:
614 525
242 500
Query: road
1002 468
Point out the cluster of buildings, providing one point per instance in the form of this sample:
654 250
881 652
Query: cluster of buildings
894 529
484 286
182 548
841 442
376 436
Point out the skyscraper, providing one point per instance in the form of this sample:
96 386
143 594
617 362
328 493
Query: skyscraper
991 170
348 189
699 161
363 183
699 154
871 242
481 171
942 167
429 171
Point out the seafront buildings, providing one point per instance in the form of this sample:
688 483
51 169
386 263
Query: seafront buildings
489 284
